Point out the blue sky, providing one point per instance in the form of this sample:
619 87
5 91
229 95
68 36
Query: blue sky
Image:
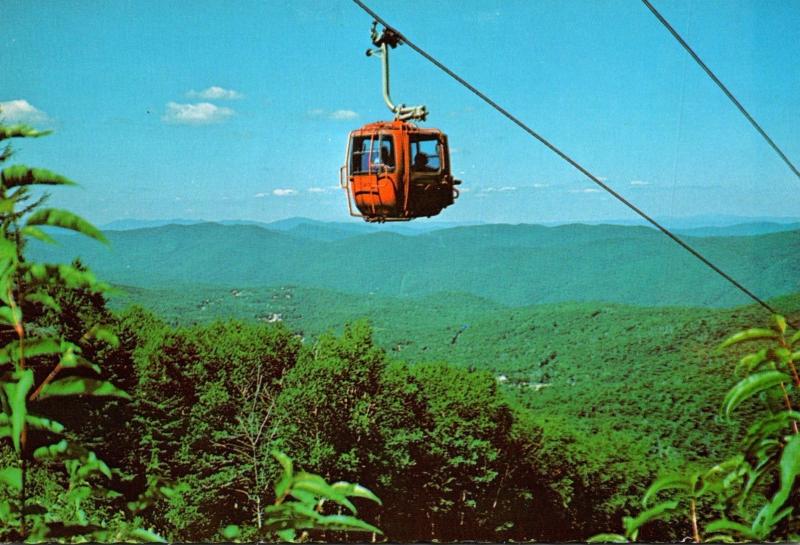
221 110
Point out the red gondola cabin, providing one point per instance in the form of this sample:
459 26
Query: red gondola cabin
396 171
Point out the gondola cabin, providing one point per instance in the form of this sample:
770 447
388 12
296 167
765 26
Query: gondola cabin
396 171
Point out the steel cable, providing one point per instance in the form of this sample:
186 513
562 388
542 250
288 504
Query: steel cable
568 159
722 86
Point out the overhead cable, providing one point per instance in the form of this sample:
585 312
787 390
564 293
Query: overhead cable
722 86
567 158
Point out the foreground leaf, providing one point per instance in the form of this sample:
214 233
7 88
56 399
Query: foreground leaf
632 524
64 219
16 395
347 523
20 131
673 482
607 538
790 467
355 490
753 334
51 451
20 175
81 386
749 386
12 478
725 525
41 423
35 232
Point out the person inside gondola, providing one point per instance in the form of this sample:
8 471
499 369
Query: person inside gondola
421 163
387 158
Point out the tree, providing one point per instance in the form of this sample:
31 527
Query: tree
41 363
752 495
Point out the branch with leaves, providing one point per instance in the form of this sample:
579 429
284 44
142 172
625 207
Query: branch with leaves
35 367
302 504
768 462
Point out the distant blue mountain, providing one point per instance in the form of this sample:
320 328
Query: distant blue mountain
508 264
709 225
301 227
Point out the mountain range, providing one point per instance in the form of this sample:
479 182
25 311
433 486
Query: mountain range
509 264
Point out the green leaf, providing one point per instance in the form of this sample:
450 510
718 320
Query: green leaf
767 518
20 131
12 478
354 490
43 299
71 360
632 524
284 461
291 515
780 323
317 485
20 175
795 338
674 482
90 463
725 525
32 348
767 427
10 316
287 535
105 334
304 496
51 451
790 467
719 538
751 385
81 386
146 536
41 347
8 249
607 538
41 423
64 219
35 232
750 362
231 531
753 334
285 481
16 394
347 523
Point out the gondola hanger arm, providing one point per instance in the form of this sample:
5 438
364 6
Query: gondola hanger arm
385 40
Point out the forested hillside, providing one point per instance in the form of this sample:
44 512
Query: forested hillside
513 265
593 375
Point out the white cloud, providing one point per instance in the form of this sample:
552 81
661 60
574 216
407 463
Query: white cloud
639 182
260 195
202 113
539 186
284 192
21 111
585 190
343 114
503 189
336 115
215 93
464 189
317 190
